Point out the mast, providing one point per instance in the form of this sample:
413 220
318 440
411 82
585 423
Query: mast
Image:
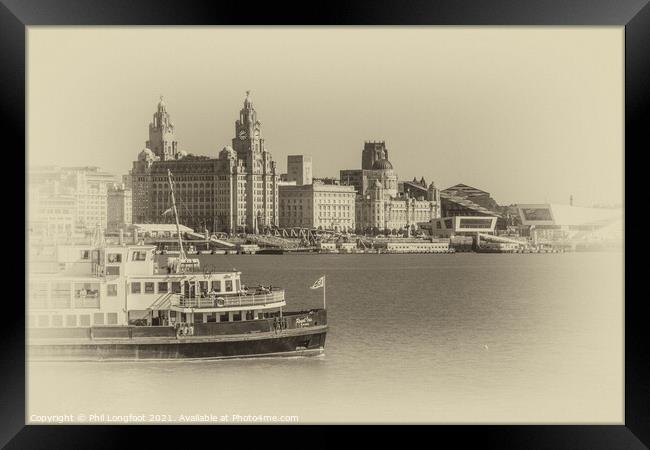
181 255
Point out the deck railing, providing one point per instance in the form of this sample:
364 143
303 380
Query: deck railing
229 301
86 302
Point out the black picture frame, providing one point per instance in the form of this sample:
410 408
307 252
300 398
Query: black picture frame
634 15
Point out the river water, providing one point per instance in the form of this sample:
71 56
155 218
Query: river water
462 338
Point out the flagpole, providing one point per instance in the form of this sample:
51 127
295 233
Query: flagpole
324 301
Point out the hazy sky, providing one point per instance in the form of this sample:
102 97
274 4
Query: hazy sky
528 114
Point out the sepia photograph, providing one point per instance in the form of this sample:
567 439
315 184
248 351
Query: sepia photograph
335 225
345 213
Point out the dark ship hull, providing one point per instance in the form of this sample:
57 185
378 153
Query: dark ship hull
297 334
270 251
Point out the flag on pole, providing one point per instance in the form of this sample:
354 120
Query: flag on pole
319 283
167 211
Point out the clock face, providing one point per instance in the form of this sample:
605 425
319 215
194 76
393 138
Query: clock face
242 134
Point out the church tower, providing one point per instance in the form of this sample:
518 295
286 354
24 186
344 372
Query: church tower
162 141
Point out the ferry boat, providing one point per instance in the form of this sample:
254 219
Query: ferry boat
115 302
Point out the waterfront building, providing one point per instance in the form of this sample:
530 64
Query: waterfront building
119 207
453 205
66 200
460 200
235 192
477 196
555 222
378 210
299 169
413 188
380 205
51 214
91 195
317 205
460 226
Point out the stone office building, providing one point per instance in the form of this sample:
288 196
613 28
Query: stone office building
299 169
119 207
68 200
318 205
235 192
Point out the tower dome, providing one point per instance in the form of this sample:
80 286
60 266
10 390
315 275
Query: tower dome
227 153
382 164
146 154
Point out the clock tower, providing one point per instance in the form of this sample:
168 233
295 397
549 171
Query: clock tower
247 140
256 196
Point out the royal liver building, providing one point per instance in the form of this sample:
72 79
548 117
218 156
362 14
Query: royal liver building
236 192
